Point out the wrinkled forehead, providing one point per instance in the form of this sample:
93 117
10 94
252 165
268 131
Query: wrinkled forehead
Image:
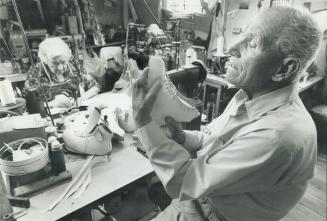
256 27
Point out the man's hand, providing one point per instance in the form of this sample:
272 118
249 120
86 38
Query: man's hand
174 130
143 98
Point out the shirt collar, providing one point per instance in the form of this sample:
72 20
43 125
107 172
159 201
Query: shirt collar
264 103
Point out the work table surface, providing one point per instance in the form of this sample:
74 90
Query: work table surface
124 167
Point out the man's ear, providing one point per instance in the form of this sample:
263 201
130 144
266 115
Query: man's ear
289 67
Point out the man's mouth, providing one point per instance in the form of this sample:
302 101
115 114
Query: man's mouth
235 66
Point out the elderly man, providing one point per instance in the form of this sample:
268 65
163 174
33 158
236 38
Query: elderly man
254 161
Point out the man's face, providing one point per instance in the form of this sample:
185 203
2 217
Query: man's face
252 64
58 65
112 66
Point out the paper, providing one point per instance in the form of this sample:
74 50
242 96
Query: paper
28 121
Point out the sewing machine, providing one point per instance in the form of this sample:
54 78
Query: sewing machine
35 97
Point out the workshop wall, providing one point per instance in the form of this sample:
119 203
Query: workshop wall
109 12
144 14
199 23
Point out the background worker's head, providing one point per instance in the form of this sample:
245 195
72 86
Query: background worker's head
112 59
277 46
56 54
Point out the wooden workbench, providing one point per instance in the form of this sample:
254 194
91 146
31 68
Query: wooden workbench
125 167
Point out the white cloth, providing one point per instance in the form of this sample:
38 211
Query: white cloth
216 26
115 53
253 162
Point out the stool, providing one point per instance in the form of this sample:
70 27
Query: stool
319 114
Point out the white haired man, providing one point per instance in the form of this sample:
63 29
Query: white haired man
254 161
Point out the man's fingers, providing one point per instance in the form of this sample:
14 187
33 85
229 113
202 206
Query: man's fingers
171 123
142 81
171 127
144 76
146 72
135 71
167 131
153 92
144 97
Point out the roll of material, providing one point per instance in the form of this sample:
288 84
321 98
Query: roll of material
220 47
7 94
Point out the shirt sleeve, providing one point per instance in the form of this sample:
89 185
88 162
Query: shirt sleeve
253 162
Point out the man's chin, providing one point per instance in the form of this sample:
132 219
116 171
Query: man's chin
231 78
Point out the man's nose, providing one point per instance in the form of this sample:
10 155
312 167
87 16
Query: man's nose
60 67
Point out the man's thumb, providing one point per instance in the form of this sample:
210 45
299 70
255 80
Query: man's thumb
171 124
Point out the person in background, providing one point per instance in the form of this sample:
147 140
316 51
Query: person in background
91 72
113 63
54 68
254 161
